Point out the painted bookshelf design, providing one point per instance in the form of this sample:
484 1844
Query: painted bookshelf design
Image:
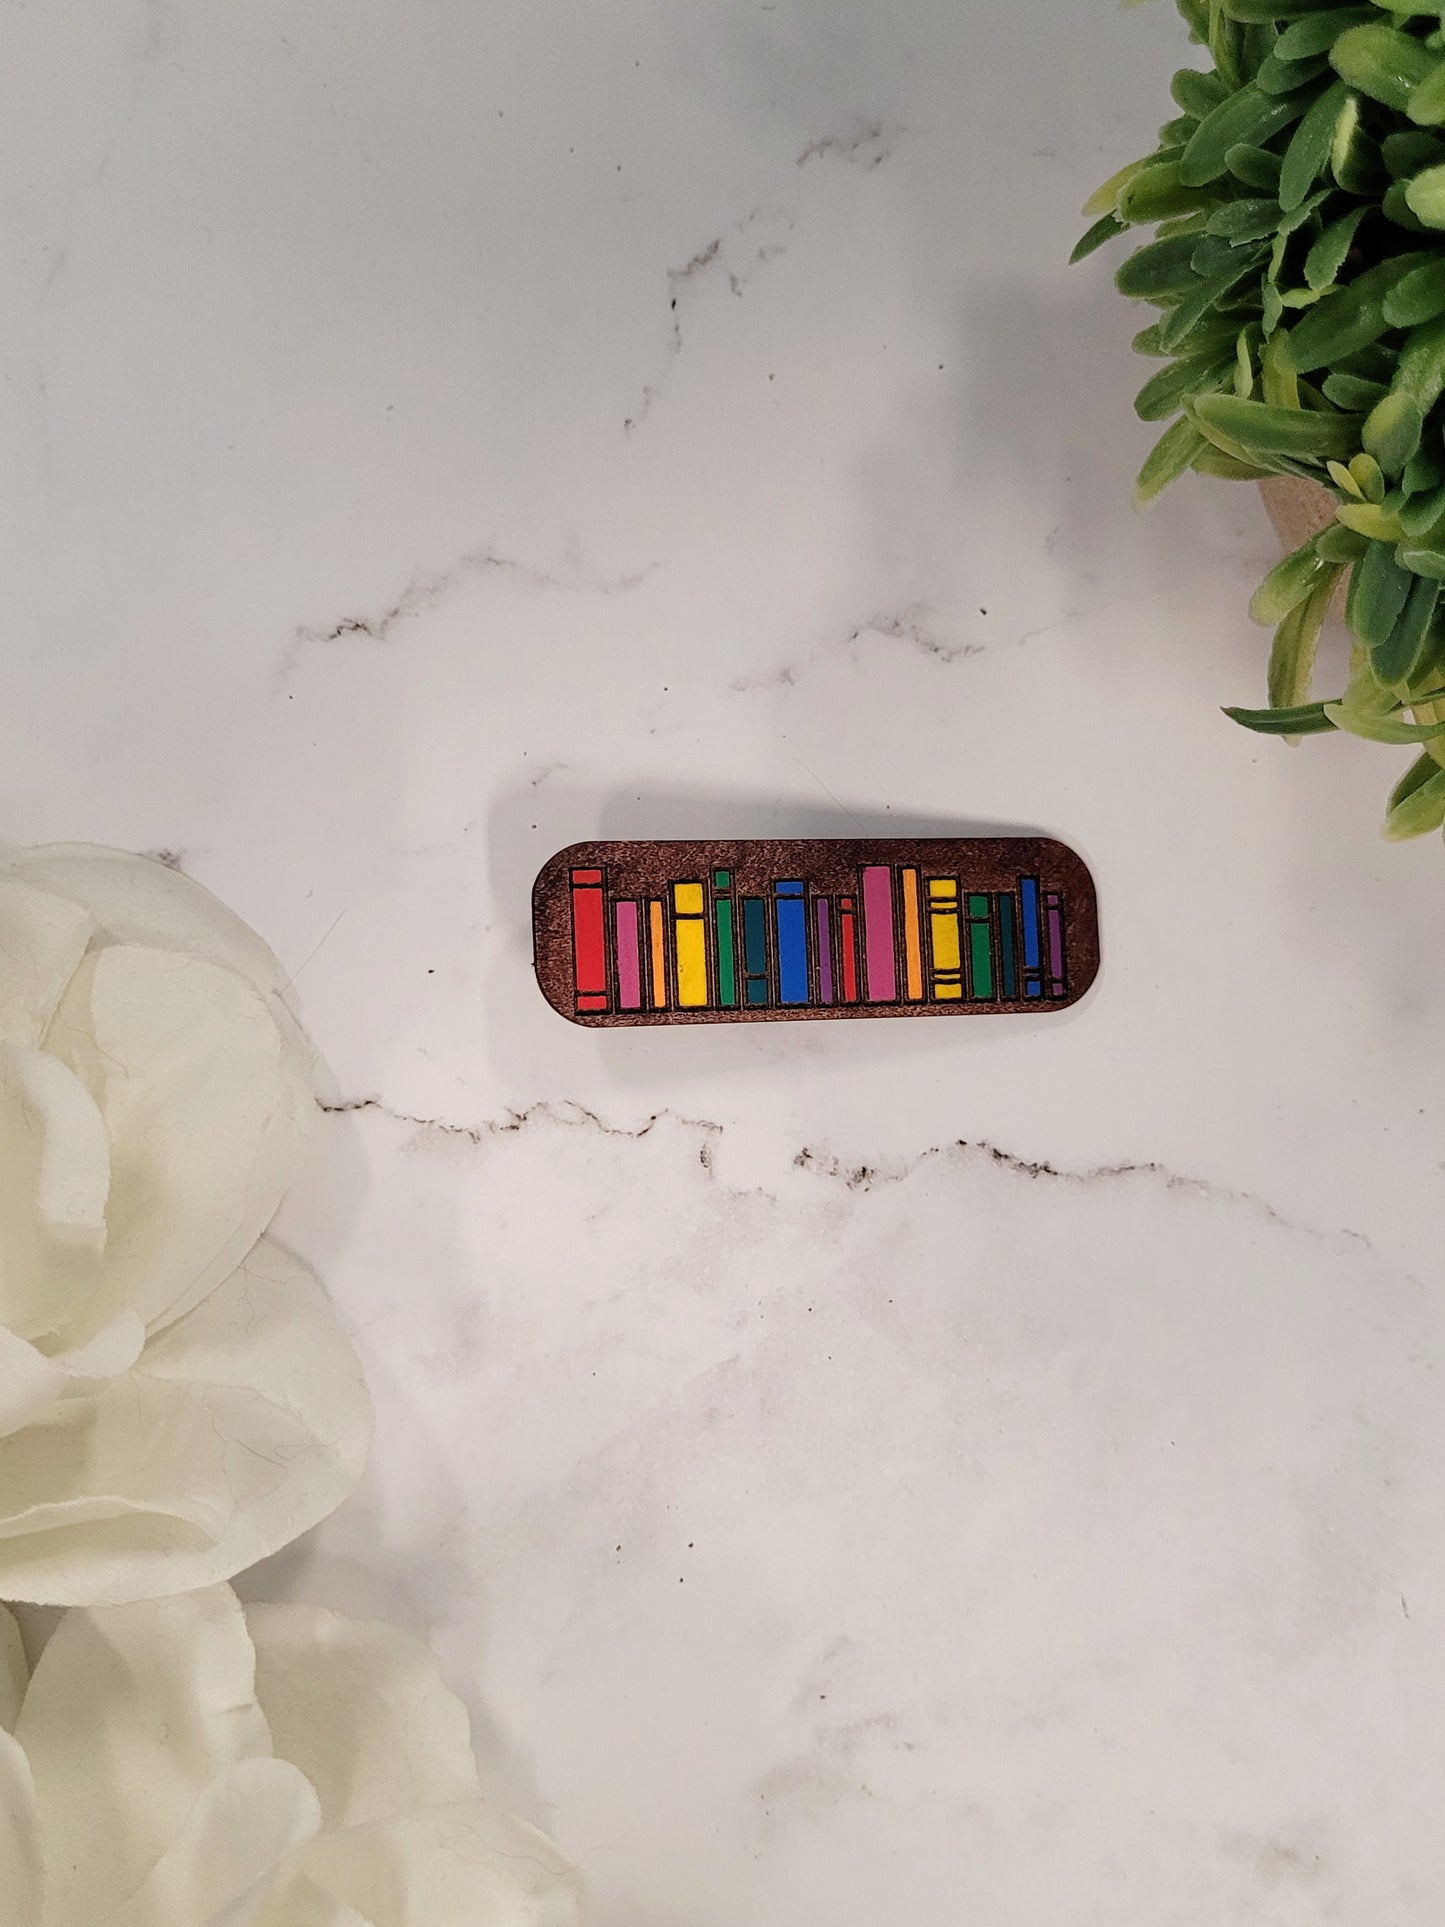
646 933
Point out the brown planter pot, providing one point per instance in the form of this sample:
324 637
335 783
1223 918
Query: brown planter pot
1300 509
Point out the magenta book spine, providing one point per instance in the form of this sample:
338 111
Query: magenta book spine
880 962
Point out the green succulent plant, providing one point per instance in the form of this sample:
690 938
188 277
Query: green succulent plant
1299 267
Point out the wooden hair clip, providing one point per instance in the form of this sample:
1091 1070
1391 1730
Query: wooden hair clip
752 932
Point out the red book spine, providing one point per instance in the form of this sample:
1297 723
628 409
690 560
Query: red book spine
589 941
848 949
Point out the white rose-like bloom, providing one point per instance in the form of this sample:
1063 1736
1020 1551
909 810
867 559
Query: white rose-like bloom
177 1400
185 1763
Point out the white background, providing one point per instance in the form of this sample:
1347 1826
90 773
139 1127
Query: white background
978 1472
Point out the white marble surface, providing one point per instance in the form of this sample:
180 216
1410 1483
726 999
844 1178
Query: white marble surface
982 1472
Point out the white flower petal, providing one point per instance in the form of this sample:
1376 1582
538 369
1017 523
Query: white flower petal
300 1903
30 1383
42 940
111 1351
54 1178
14 1673
458 1866
21 1878
206 1108
135 899
131 1713
223 1862
361 1708
240 1427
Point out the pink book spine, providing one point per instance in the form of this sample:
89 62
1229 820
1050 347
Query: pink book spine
880 964
629 958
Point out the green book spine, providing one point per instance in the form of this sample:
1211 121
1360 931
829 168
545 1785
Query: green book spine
980 948
1007 923
727 980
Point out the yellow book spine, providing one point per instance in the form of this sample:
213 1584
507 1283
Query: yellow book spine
945 937
689 944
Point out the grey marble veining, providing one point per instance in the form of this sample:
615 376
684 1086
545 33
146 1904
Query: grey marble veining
933 1473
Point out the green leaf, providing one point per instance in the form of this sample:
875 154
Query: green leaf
1375 363
1272 10
1382 62
1157 270
1353 391
1419 297
1354 156
1422 473
1395 207
1392 432
1214 256
1382 729
1406 153
1421 371
1299 432
1215 335
1288 584
1309 149
1105 199
1379 589
1228 468
1104 229
1418 515
1197 93
1155 193
1250 116
1255 166
1339 544
1308 719
1245 220
1426 562
1292 656
1315 33
1307 209
1191 224
1417 802
1170 456
1368 476
1226 45
1166 392
1427 100
1279 384
1276 76
1259 39
1327 256
1349 318
1243 365
1425 197
1175 328
1402 654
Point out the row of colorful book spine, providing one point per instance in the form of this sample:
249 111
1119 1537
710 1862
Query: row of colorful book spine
901 937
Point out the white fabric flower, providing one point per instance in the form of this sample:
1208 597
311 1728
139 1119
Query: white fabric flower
182 1763
176 1400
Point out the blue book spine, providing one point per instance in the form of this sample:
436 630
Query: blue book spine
1029 917
792 916
755 949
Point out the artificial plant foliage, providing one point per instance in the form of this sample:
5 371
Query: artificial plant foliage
1298 264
